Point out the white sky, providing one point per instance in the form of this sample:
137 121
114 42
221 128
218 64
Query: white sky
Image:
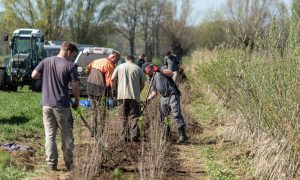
202 7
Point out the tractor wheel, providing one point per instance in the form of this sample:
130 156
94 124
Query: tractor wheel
3 79
37 85
12 87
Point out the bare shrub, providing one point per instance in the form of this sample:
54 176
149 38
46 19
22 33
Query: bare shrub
153 148
108 150
271 158
98 150
262 88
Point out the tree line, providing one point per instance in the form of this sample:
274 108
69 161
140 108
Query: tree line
149 23
149 26
241 23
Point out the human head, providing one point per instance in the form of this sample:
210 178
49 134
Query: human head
114 57
129 58
68 50
147 68
142 56
168 53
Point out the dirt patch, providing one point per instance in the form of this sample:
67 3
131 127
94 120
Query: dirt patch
25 159
131 159
109 157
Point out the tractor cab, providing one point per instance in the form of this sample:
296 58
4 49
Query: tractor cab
27 50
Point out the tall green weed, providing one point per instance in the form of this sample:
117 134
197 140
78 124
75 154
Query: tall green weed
262 84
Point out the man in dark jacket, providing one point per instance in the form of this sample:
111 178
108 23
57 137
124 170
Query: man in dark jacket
141 60
170 96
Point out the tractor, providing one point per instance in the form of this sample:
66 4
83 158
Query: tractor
27 50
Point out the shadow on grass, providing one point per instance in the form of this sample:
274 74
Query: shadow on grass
20 119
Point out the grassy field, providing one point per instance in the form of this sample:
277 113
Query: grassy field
20 122
21 115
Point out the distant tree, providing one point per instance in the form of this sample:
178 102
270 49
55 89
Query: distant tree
175 28
249 18
53 17
42 14
283 20
128 14
210 34
296 8
90 20
151 11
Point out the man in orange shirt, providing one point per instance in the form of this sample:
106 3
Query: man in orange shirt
99 85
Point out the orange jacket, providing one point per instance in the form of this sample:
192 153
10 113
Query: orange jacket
105 66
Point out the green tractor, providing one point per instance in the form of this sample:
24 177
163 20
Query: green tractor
27 50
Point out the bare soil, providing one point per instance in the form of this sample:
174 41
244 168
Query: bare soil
181 161
178 161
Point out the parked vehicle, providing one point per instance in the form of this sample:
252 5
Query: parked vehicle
51 50
27 50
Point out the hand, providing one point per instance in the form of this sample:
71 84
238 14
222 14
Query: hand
155 69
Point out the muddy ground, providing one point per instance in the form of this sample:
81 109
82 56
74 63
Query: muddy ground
152 158
109 157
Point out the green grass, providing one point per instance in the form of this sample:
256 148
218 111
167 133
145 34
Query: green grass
223 161
157 61
219 159
8 171
12 173
4 159
20 122
21 115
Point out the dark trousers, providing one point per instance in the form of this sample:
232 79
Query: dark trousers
98 114
129 113
171 104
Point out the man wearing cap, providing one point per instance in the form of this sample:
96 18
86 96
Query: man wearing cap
170 97
131 81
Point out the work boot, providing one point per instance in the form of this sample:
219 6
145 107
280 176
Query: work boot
69 166
183 137
136 139
52 167
168 133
